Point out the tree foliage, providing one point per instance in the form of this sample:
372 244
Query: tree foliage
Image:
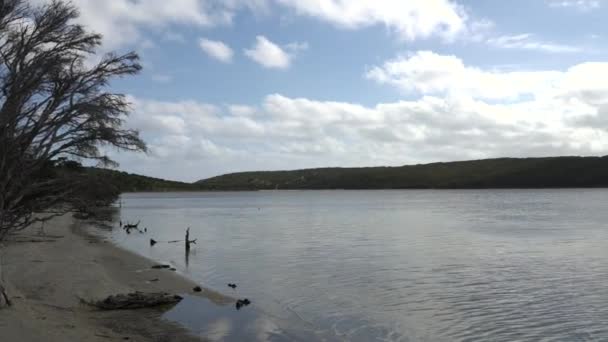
55 106
128 182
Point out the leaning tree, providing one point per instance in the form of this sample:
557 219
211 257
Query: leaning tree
55 105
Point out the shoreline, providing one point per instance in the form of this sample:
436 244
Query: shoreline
446 189
48 276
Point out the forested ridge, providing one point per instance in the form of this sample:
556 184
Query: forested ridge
550 172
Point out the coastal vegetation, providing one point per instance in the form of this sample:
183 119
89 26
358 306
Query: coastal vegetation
550 172
130 182
554 172
56 110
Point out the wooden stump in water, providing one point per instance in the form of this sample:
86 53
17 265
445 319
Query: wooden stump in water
188 239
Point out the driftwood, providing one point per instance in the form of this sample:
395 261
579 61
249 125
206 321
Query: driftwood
31 240
4 301
136 300
161 266
131 225
128 226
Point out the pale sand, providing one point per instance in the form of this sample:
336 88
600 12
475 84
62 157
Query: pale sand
47 280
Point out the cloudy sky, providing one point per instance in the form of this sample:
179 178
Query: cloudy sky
235 85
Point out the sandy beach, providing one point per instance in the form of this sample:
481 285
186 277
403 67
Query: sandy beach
48 276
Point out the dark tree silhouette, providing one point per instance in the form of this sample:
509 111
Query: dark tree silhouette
55 105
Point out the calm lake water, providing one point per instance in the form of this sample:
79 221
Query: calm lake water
491 265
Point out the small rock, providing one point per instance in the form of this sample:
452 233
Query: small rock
197 289
173 269
242 302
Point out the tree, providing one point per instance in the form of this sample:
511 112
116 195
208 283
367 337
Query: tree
55 105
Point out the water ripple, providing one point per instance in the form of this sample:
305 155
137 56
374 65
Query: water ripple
398 265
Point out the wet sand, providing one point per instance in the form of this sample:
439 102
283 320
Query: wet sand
48 276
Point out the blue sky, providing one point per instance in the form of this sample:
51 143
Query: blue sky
239 85
332 67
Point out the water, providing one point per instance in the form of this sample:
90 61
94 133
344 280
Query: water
497 265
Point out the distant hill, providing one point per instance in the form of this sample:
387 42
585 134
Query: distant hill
129 182
554 172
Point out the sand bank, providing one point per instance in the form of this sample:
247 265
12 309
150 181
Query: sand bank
48 276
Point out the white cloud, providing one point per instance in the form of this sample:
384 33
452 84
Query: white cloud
409 19
429 73
485 31
271 55
297 46
478 30
540 97
217 50
526 41
582 5
241 110
121 21
564 112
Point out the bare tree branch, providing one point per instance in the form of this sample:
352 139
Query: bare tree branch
54 107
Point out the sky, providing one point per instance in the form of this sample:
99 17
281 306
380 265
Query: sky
242 85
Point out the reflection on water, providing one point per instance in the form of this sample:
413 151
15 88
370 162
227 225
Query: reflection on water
187 258
225 323
523 265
